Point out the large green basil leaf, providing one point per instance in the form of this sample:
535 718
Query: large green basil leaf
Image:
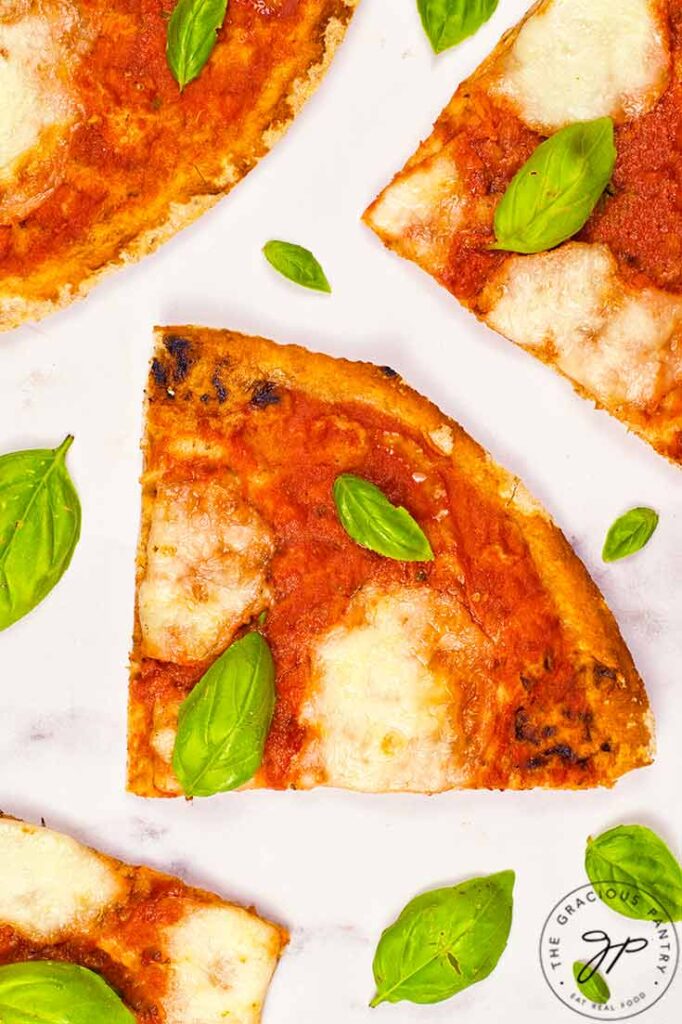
448 22
191 36
372 521
51 992
444 941
554 193
224 723
629 534
40 523
635 857
594 986
296 264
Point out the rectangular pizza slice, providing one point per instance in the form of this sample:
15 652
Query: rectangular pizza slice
144 946
604 307
337 586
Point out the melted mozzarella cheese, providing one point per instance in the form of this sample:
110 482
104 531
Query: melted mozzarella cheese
51 886
221 960
421 209
570 306
386 716
34 93
575 60
207 556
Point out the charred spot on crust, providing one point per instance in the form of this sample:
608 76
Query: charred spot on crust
606 747
523 730
205 398
548 732
179 350
219 386
527 682
159 373
563 751
548 662
388 371
603 672
264 394
535 762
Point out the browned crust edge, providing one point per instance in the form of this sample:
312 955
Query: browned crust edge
580 604
16 310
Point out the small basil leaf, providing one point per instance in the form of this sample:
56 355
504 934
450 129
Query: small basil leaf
224 723
448 22
372 521
629 534
50 992
634 856
590 983
556 190
40 522
191 36
297 264
444 941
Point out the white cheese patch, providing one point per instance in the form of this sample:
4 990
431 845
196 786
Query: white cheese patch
385 713
575 60
34 93
221 960
207 555
422 209
571 305
51 886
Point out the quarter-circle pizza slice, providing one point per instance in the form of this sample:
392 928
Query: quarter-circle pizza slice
174 954
497 664
103 157
604 309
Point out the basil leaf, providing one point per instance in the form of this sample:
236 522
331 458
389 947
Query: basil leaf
593 987
191 36
634 856
448 22
50 992
40 523
629 534
224 723
554 193
372 521
444 941
297 264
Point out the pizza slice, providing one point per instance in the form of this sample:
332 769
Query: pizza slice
337 586
154 950
604 308
108 145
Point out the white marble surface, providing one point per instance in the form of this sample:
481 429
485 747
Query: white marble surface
335 867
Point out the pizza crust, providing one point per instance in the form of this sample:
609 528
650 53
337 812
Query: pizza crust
360 732
53 284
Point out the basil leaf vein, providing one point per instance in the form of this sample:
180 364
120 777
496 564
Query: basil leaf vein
40 523
191 36
551 198
634 856
51 992
296 264
444 941
372 521
629 534
448 22
224 722
594 986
